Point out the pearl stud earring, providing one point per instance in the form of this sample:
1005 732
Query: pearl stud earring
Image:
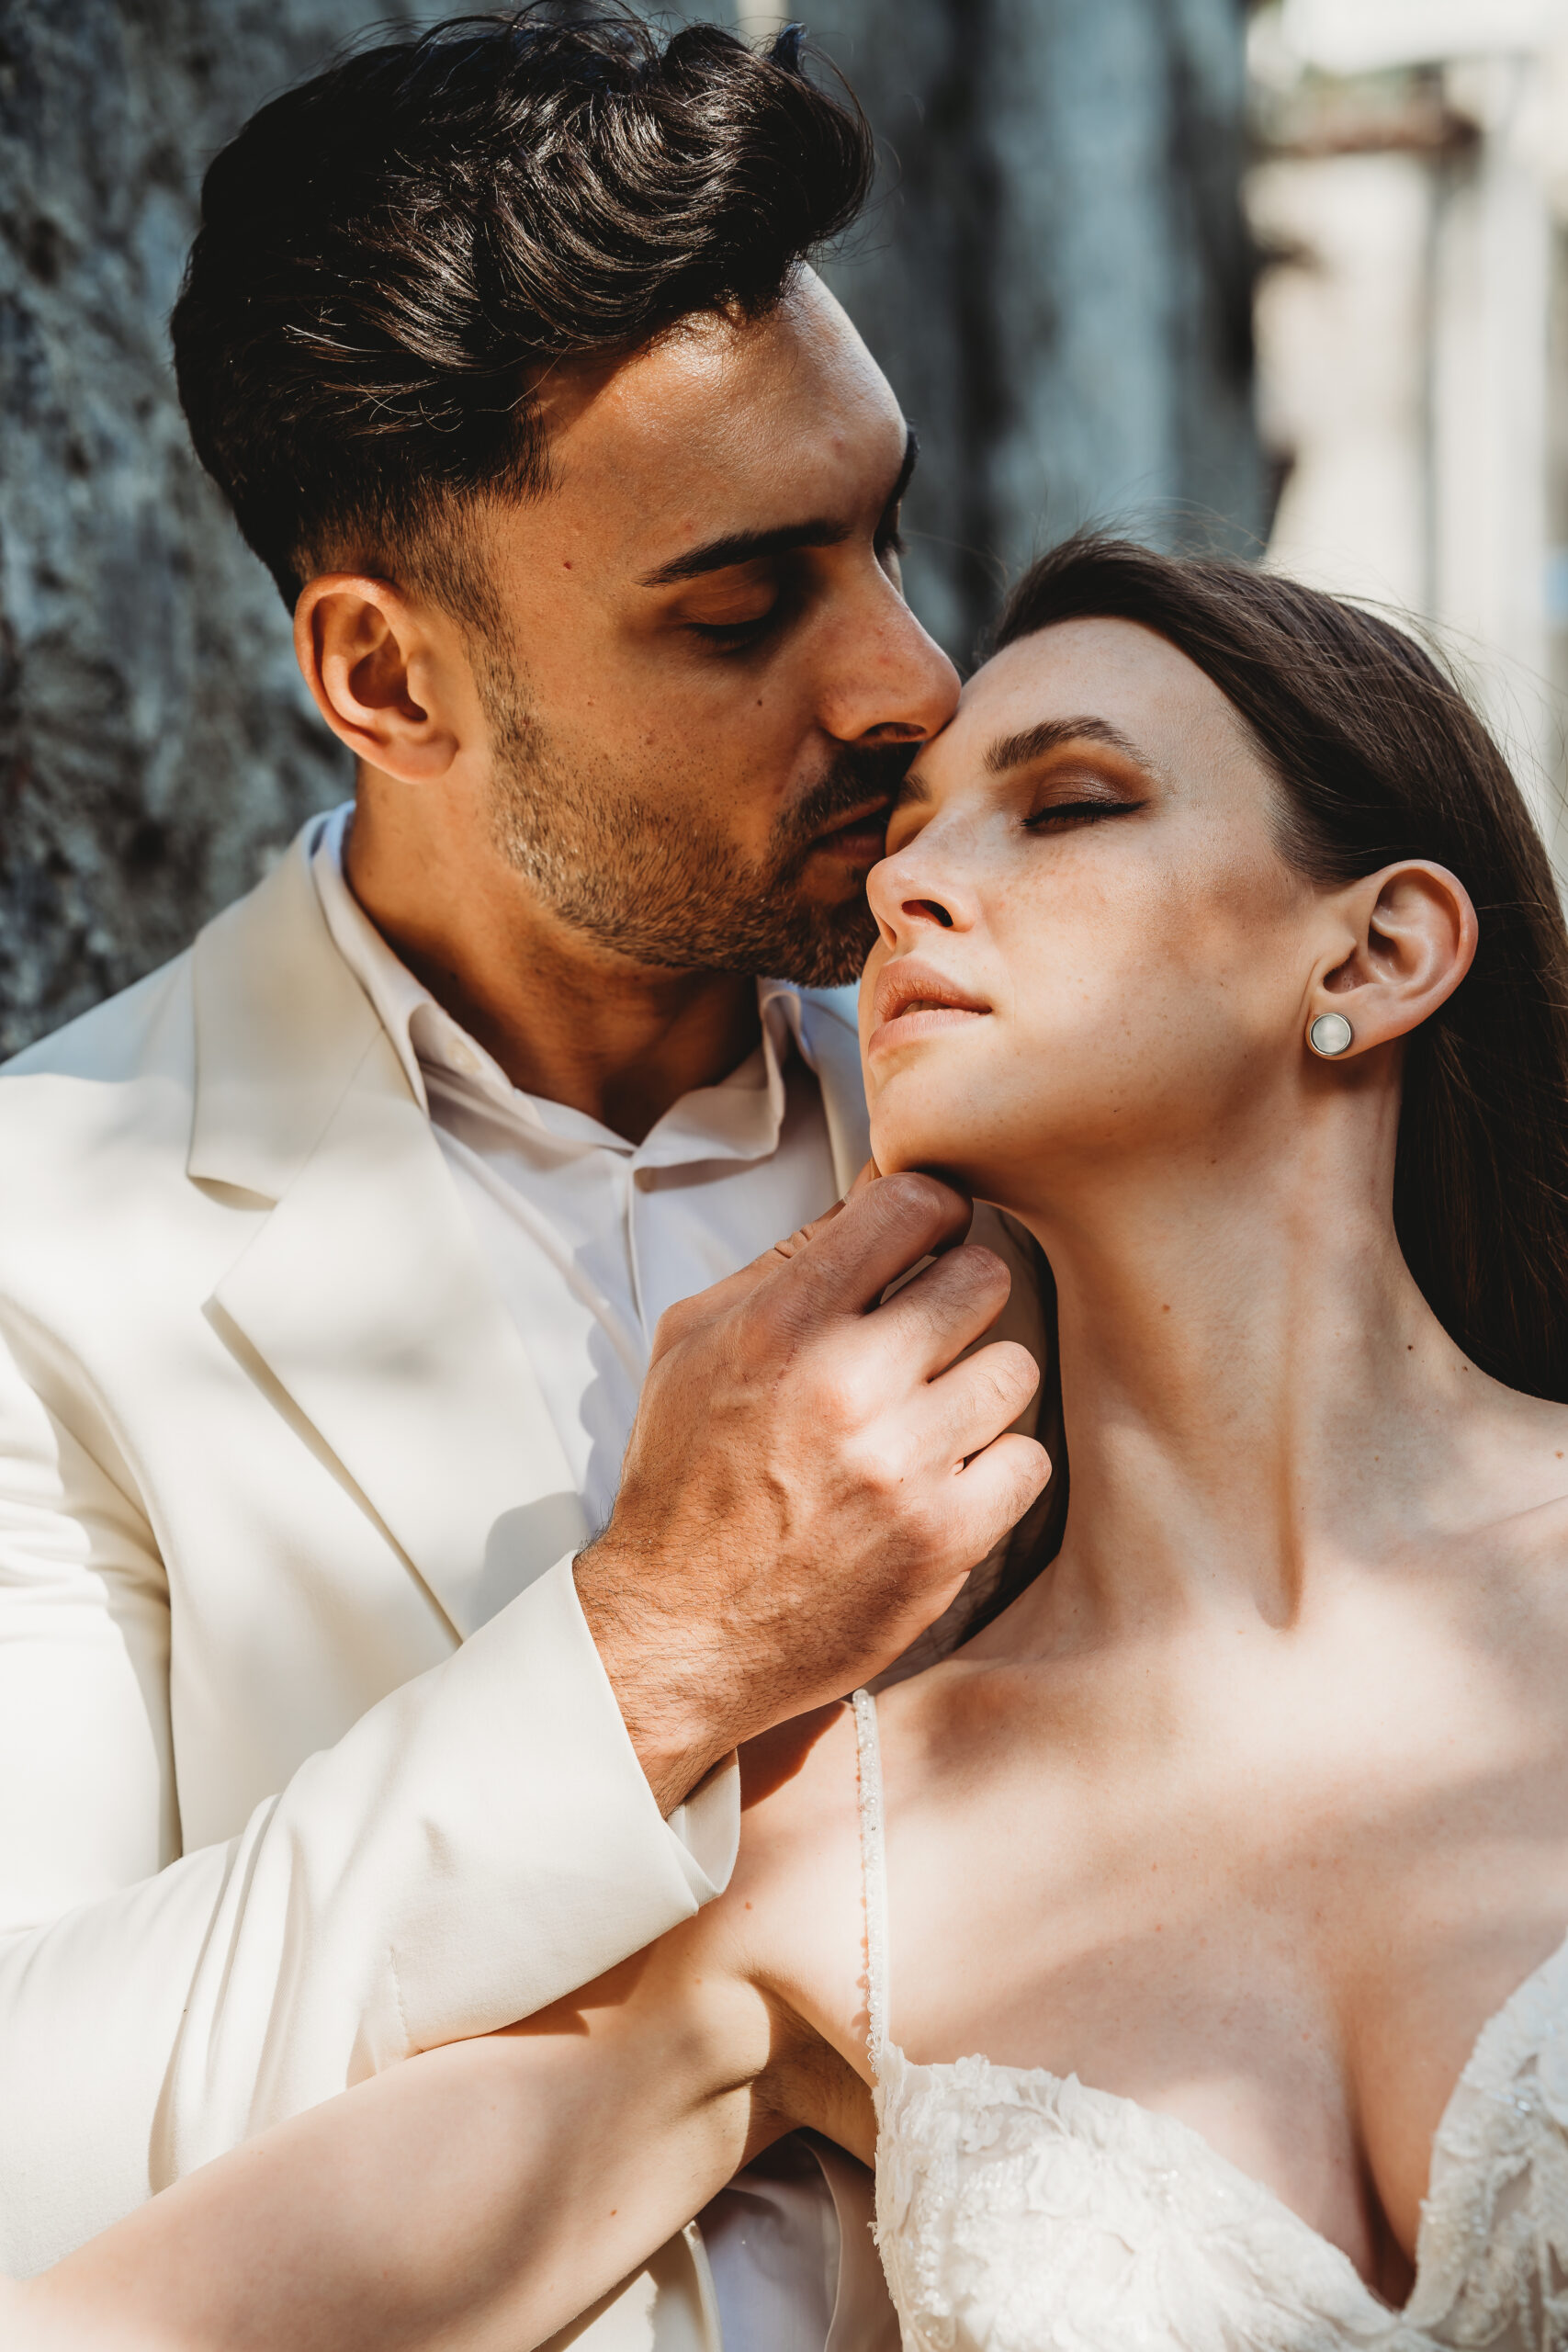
1330 1034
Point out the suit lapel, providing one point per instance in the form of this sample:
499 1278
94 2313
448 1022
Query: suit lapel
364 1293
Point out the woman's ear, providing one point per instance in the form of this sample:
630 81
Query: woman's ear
373 664
1414 933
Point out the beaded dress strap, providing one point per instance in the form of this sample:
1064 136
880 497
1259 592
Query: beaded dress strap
874 1875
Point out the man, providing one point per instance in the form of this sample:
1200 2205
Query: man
352 1699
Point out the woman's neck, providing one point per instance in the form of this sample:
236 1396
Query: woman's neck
1253 1387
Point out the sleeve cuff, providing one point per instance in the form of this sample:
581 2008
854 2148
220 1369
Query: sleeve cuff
704 1830
707 1829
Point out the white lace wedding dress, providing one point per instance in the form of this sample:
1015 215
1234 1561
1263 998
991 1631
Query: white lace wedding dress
1021 2211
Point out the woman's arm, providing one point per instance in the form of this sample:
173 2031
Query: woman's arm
484 2194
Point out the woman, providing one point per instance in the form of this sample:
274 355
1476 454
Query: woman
1216 945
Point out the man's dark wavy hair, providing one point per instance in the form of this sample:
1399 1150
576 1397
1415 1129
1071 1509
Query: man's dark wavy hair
392 254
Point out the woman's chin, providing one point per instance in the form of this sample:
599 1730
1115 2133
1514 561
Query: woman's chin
951 1152
932 1150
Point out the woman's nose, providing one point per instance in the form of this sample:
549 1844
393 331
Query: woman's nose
907 896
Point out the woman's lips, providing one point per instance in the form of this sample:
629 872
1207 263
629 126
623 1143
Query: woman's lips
913 1000
921 1021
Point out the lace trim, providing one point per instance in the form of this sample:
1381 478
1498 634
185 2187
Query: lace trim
1020 2211
1024 2212
1017 2209
874 1876
1491 2257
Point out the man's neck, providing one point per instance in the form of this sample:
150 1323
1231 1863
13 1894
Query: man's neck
567 1019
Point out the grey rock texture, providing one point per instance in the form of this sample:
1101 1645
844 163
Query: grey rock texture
1055 276
155 746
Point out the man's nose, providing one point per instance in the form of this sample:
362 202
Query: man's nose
891 682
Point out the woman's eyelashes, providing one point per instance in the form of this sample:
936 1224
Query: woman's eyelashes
1080 808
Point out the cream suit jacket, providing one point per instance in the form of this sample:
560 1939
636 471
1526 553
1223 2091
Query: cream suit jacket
306 1759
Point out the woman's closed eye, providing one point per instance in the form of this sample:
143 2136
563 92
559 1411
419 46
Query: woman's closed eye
1080 808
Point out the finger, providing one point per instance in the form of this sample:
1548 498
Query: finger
941 1311
877 1237
971 1403
869 1174
837 1266
703 1306
797 1240
995 1490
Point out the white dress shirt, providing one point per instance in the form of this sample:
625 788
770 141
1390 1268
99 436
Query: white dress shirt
590 1237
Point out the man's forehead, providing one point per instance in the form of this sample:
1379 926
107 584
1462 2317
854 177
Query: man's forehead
787 409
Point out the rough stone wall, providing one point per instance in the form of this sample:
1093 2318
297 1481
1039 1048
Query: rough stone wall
1054 277
156 745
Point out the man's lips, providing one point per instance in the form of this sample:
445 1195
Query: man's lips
860 837
914 999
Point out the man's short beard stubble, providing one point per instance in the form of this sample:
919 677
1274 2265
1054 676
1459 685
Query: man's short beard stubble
662 888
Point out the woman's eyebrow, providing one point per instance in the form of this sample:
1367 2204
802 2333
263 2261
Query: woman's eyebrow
1033 743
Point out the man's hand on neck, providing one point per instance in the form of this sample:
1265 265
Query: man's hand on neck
652 746
811 1477
566 1018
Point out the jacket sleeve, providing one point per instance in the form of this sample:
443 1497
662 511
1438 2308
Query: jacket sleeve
479 1843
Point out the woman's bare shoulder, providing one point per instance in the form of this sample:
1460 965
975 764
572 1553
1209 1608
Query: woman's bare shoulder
791 1921
797 1897
1525 1529
799 1826
792 1911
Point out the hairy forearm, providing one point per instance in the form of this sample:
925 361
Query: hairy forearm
487 2193
680 1693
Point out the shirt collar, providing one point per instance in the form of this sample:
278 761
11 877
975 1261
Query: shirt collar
740 1118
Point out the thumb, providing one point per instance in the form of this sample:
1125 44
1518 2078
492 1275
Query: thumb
706 1306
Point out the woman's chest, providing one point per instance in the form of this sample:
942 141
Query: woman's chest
1294 1969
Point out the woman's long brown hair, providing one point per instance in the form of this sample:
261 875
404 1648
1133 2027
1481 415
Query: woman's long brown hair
1378 757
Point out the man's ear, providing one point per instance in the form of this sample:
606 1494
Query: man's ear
1414 933
380 677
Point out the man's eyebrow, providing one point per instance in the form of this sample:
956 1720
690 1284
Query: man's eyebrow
1033 743
754 546
906 471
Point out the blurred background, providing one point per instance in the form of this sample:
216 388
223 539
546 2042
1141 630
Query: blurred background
1290 279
